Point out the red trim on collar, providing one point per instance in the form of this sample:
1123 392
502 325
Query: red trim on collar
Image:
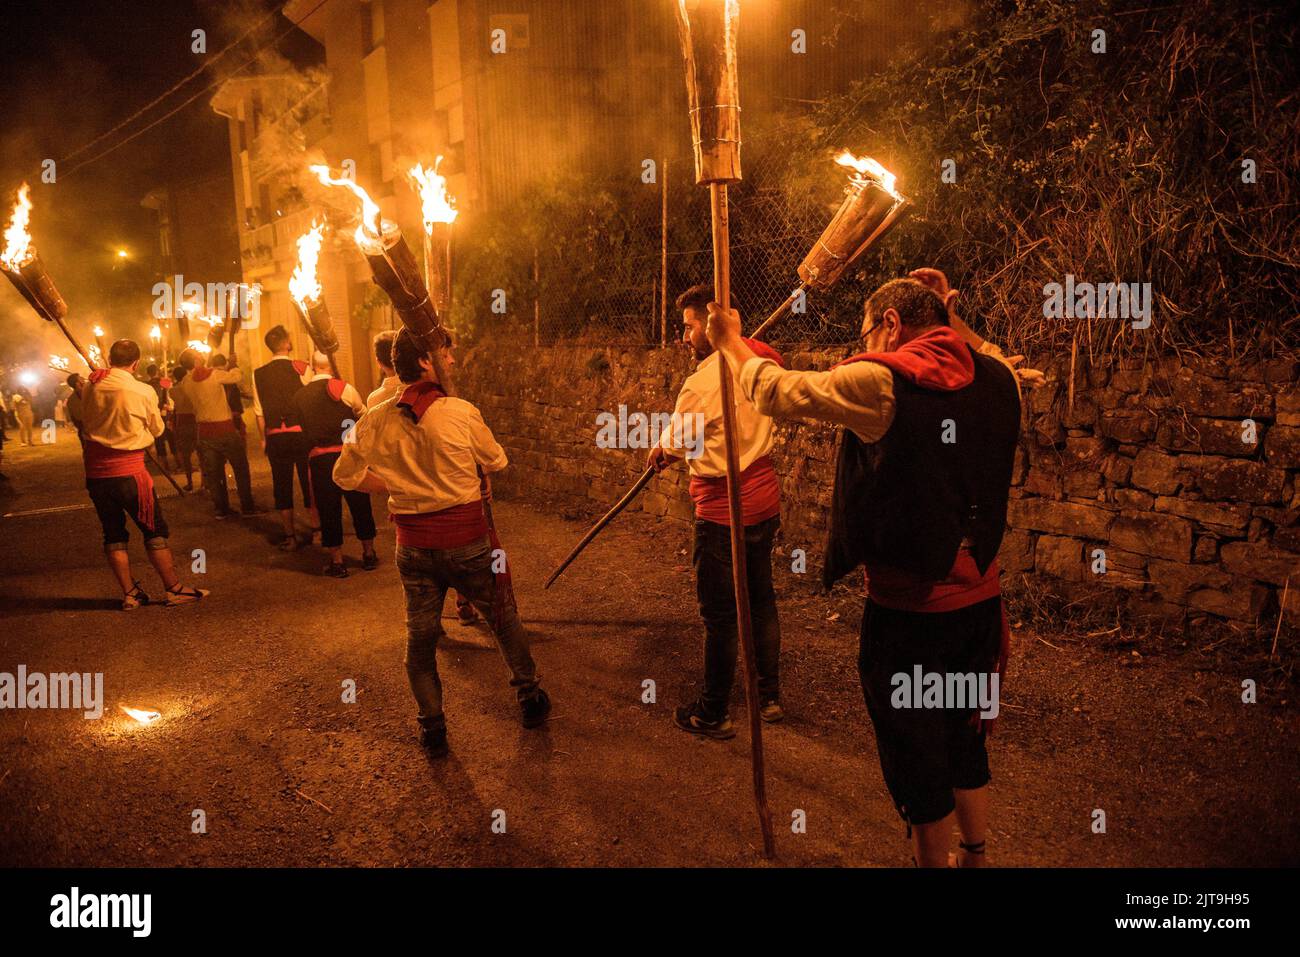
416 399
939 359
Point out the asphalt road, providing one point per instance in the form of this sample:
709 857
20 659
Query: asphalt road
255 733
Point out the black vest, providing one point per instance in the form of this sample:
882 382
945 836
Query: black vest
277 383
908 500
321 416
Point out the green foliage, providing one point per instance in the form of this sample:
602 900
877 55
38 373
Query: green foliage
1116 166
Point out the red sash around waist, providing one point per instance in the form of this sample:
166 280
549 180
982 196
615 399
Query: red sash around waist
281 430
448 528
760 494
103 462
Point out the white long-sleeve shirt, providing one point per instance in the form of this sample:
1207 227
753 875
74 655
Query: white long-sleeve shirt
428 466
120 412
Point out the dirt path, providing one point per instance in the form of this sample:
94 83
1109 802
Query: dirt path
256 735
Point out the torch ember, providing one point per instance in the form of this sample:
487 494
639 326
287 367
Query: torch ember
142 715
371 221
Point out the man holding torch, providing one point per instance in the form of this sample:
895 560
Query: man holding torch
931 416
761 507
274 386
120 421
424 449
328 408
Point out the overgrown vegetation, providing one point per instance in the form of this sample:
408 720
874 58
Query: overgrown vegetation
1116 166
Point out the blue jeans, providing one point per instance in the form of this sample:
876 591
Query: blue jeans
427 574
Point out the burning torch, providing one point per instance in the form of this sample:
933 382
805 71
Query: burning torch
25 270
871 208
708 34
305 290
393 266
439 212
20 262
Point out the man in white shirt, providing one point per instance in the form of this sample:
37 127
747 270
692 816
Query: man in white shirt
698 418
424 448
219 440
120 420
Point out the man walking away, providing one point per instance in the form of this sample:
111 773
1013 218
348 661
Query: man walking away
219 441
121 420
328 410
274 387
425 449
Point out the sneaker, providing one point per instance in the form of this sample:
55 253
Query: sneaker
370 561
536 708
770 710
134 598
336 570
288 544
225 514
184 595
696 720
433 736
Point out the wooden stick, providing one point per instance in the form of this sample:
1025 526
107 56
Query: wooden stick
778 312
739 574
608 517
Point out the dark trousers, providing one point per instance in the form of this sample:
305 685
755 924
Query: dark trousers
713 584
214 453
329 500
287 453
427 573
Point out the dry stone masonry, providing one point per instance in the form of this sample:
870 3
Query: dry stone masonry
1173 485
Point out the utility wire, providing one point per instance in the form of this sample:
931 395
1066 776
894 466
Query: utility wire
207 89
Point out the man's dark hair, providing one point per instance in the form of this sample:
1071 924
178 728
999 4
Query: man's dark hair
218 361
188 359
122 353
918 306
276 338
152 370
697 297
73 379
407 354
384 348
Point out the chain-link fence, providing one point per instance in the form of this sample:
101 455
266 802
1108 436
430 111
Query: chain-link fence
604 262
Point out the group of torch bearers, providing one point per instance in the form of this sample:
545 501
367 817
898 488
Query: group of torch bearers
929 414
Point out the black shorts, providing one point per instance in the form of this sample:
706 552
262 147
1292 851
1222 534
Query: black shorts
927 752
117 498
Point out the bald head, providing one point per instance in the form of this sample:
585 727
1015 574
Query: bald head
320 362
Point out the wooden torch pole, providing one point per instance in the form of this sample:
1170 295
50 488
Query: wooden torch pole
739 570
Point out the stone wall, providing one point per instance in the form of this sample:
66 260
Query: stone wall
1143 481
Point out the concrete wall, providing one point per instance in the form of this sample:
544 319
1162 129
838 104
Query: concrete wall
1150 464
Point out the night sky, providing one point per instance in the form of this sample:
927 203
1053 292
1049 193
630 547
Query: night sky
73 70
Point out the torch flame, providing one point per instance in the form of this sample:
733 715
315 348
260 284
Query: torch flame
155 332
95 355
438 205
143 715
18 239
866 170
304 284
370 218
59 362
99 331
198 345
